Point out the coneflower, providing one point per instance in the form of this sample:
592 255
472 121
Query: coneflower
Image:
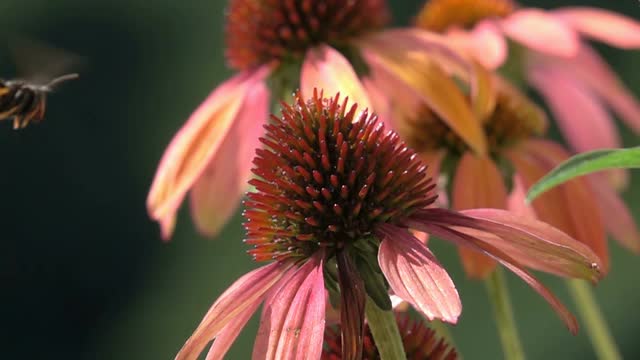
335 196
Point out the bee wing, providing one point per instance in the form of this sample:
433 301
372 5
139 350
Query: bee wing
38 63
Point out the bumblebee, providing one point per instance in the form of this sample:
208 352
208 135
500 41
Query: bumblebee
24 101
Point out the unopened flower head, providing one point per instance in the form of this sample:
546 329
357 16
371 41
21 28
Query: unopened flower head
335 196
261 32
419 341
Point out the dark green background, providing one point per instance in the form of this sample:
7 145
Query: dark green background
83 273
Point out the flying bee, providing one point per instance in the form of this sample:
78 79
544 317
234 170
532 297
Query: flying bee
24 101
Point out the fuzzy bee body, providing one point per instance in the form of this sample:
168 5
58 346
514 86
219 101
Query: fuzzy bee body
25 102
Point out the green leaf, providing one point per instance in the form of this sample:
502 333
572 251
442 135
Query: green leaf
586 163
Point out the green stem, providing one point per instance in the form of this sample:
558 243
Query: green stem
597 328
499 296
384 329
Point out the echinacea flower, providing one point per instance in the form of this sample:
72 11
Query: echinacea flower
576 83
335 197
419 341
276 46
517 158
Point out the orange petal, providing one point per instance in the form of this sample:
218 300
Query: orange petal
483 92
570 207
607 26
430 82
216 194
541 31
477 184
325 69
193 147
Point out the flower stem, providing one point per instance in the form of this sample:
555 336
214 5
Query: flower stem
384 329
591 316
499 296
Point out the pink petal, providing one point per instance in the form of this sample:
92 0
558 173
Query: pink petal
193 147
488 45
245 293
596 75
415 275
616 215
462 239
325 69
293 315
530 242
584 121
606 26
228 335
217 192
541 31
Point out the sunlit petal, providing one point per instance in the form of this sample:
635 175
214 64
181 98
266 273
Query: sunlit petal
216 194
541 31
606 26
415 275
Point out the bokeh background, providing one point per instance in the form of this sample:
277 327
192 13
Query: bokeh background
83 272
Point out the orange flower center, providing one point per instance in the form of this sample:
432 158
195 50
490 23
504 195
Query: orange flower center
514 118
261 31
439 15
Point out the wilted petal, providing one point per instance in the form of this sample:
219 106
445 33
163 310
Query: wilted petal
415 275
217 192
584 121
462 239
616 215
325 69
284 323
245 293
570 207
541 31
352 303
606 26
193 147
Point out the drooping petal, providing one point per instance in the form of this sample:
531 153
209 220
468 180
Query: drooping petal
541 31
570 207
284 317
193 147
324 68
594 72
462 239
530 242
228 335
516 203
584 121
246 292
352 303
216 194
483 93
416 276
471 191
616 215
430 82
607 26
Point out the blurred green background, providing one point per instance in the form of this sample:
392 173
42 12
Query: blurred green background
83 271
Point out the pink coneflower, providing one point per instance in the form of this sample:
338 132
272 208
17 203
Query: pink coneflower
336 194
419 341
277 46
574 80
